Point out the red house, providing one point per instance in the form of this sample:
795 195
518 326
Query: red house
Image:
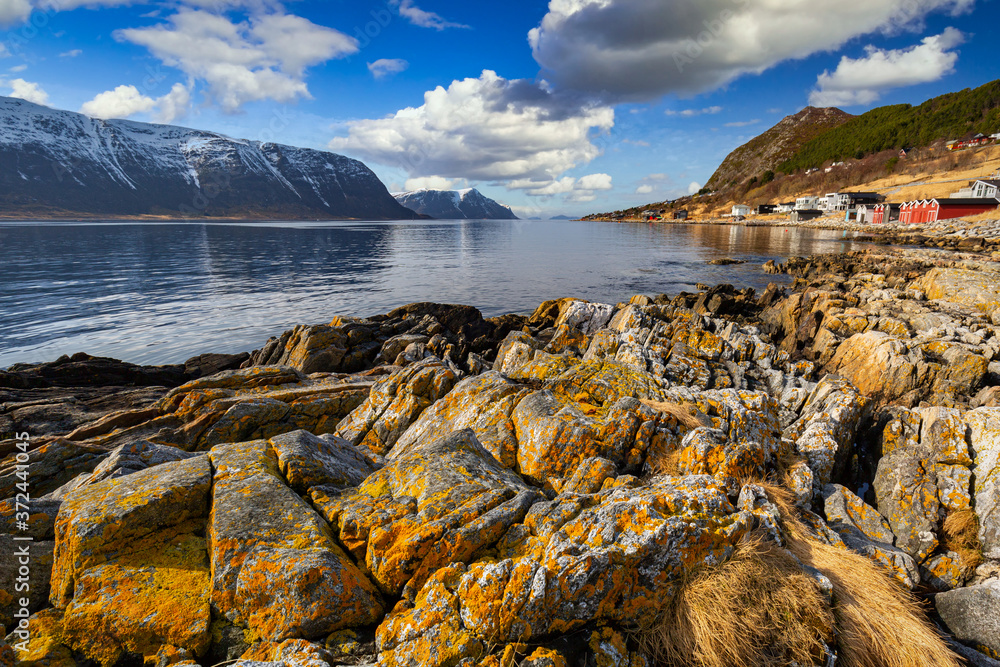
883 213
932 210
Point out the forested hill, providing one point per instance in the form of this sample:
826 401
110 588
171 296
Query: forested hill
950 116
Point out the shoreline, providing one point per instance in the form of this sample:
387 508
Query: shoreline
594 443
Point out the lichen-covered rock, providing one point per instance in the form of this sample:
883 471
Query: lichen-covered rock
122 461
972 615
275 567
616 562
130 570
306 461
102 522
826 431
590 476
44 642
943 572
906 488
430 633
880 366
586 317
984 429
963 286
483 403
396 402
50 466
289 653
866 532
141 601
465 501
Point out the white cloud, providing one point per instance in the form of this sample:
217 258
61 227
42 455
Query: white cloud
862 80
71 54
431 183
127 101
642 49
122 102
264 58
384 67
694 188
18 68
28 91
485 129
594 182
689 113
173 105
14 11
408 10
743 123
636 142
644 190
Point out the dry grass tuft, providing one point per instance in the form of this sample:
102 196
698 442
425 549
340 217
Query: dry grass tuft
757 608
669 464
961 535
686 414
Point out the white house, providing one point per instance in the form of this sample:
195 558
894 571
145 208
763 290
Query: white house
741 209
786 208
807 203
863 215
985 189
823 203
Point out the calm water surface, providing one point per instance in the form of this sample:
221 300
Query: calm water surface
162 293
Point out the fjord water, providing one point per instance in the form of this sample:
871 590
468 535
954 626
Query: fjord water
161 293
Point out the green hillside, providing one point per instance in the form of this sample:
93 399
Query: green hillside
950 116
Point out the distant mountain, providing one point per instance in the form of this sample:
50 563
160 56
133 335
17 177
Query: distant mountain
563 217
775 146
57 163
467 204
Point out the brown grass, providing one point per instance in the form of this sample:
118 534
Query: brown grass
686 414
757 608
761 609
961 535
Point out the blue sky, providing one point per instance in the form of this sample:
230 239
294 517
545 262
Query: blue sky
569 107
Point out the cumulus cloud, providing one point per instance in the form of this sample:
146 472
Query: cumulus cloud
644 190
485 129
689 113
431 183
127 101
28 91
862 80
641 49
594 182
14 11
384 67
263 58
694 188
409 10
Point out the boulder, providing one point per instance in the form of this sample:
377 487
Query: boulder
984 435
483 403
306 461
977 289
275 567
906 487
395 403
972 615
880 366
130 565
122 461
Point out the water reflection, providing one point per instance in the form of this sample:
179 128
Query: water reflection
160 293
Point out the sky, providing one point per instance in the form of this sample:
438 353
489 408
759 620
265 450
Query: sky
559 108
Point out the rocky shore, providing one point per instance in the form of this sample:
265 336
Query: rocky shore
810 475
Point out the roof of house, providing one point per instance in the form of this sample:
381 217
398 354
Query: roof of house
967 201
991 181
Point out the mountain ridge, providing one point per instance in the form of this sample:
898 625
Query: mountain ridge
55 162
466 204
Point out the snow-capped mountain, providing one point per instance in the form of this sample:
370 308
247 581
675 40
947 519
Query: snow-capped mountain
63 163
467 204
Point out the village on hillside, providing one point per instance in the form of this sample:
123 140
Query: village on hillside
978 196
